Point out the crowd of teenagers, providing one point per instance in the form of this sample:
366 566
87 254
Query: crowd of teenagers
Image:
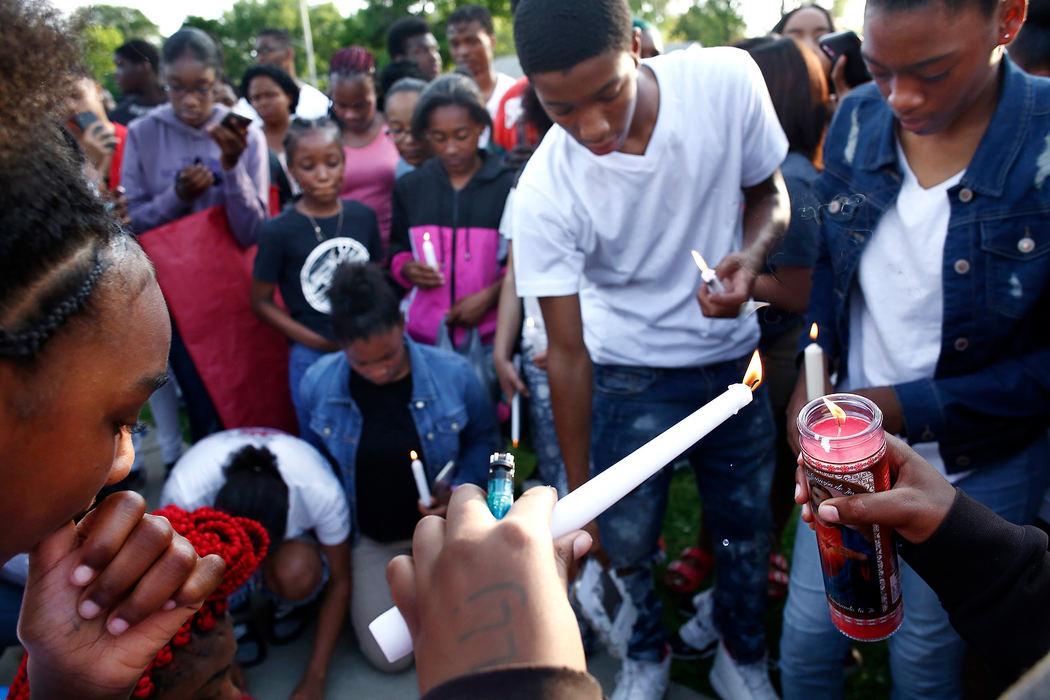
423 246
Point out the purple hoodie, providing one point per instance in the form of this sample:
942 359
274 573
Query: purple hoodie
159 146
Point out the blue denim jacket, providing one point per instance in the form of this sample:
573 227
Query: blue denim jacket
990 393
452 416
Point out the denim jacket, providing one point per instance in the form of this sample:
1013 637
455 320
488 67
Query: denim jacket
990 392
452 416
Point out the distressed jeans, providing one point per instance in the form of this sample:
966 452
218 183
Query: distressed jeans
926 654
734 469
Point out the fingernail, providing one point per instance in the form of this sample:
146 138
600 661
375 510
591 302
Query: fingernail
798 490
169 606
82 574
829 513
89 609
806 511
117 626
581 545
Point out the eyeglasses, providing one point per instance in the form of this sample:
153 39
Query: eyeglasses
201 91
398 133
255 53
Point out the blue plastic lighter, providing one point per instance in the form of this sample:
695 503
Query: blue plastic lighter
501 484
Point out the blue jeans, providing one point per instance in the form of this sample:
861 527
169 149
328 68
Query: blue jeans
925 654
300 358
734 468
549 465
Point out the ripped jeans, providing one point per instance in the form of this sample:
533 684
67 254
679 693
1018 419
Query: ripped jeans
734 470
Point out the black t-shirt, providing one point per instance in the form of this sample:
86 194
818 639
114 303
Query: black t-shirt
130 108
386 490
291 257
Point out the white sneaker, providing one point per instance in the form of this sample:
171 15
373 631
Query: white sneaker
698 637
643 680
733 681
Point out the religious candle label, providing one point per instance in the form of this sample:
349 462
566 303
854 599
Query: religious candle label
859 564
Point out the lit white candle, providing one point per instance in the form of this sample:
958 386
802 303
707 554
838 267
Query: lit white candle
428 252
588 501
708 275
421 480
534 336
814 363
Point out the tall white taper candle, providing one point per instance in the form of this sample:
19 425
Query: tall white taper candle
814 364
588 501
421 481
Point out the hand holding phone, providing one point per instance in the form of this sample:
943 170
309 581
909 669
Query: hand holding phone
846 44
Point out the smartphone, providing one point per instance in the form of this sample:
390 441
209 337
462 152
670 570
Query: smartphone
85 120
236 122
846 44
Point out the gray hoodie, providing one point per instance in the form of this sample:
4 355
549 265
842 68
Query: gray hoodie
159 145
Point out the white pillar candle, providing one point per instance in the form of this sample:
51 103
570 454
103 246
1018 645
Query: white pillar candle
428 252
814 363
588 501
421 481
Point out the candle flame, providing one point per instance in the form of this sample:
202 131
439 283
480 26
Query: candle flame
753 375
426 236
699 260
514 443
413 455
836 412
530 322
813 332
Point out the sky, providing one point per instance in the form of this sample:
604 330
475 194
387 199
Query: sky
760 15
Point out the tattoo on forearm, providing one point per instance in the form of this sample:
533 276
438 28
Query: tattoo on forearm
498 597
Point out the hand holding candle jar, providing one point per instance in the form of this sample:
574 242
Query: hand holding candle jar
814 363
844 453
590 500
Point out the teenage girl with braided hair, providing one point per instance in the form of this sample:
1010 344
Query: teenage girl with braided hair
371 156
105 594
300 248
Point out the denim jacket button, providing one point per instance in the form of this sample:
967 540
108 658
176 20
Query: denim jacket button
420 404
966 195
834 206
962 461
455 426
430 436
961 344
962 266
327 431
1026 245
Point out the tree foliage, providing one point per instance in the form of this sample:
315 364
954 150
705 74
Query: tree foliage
711 22
130 22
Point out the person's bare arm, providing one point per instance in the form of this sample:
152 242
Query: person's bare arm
330 619
508 328
280 320
570 373
767 212
786 289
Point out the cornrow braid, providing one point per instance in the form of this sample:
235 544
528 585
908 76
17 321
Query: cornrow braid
241 543
28 341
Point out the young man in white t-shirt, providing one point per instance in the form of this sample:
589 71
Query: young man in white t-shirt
647 162
286 485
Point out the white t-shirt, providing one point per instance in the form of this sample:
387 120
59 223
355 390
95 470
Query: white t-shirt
313 104
617 229
503 83
897 301
316 500
534 333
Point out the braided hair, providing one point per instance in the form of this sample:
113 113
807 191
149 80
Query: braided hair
554 35
241 543
56 238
